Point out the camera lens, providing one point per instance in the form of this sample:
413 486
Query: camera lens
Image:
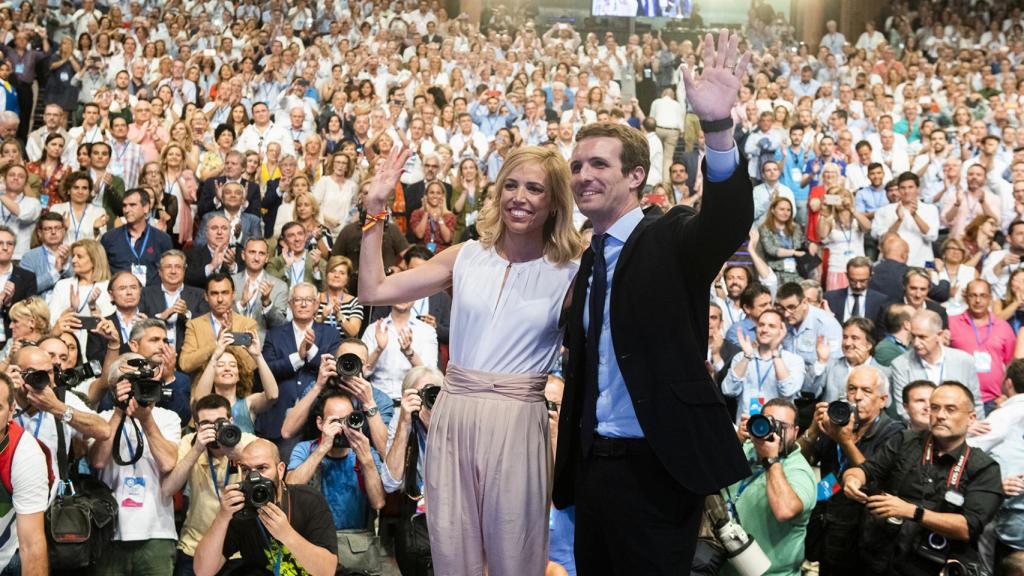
228 435
349 365
760 426
839 412
429 395
261 495
37 379
356 420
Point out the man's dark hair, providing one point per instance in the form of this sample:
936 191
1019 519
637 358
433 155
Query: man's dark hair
777 312
212 401
875 166
746 270
219 277
51 217
799 127
782 402
915 385
908 177
858 262
634 148
990 137
844 116
751 293
862 144
650 124
328 393
144 200
864 325
789 289
417 251
894 318
961 386
1015 373
354 342
92 147
1014 224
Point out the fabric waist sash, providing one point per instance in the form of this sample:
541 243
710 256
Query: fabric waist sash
521 387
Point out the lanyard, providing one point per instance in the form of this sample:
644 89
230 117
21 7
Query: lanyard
124 326
977 333
296 278
748 481
49 179
124 150
145 240
6 214
213 326
956 473
38 420
77 224
275 549
760 378
85 301
131 450
213 474
728 310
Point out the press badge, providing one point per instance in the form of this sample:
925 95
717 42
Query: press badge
828 487
135 492
19 68
796 174
755 406
64 77
789 264
982 362
955 498
139 271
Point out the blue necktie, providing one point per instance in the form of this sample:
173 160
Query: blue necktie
598 289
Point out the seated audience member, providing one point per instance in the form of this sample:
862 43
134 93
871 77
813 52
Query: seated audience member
827 379
171 300
259 295
807 326
301 540
754 300
857 299
51 259
941 492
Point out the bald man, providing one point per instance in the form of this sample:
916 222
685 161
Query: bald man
298 524
887 275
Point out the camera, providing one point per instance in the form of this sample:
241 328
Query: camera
741 550
760 426
39 380
228 435
145 389
955 567
841 411
258 492
356 421
77 375
934 547
349 366
428 395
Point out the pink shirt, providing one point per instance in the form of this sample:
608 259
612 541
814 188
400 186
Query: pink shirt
146 140
994 337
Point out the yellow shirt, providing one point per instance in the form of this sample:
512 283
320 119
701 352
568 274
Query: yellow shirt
204 503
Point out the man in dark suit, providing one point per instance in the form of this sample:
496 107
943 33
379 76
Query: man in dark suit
916 283
16 283
125 292
660 439
414 192
209 189
891 268
858 299
293 352
217 255
171 300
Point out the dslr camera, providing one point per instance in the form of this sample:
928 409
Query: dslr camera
145 388
39 380
258 492
760 426
348 366
77 375
428 395
228 435
356 421
841 411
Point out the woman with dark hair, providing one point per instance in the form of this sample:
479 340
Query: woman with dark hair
82 220
1011 307
333 134
50 170
237 120
782 240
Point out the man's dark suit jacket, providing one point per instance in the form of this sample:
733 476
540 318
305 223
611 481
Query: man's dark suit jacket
153 303
677 403
873 304
24 286
196 260
208 193
728 352
414 200
96 345
887 278
292 384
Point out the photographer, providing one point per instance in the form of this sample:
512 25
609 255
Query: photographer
774 504
372 401
834 447
399 432
145 538
292 534
205 462
342 458
939 492
39 406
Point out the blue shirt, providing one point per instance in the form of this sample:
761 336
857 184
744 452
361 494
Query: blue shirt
562 530
339 484
615 415
121 256
793 169
870 199
748 327
802 340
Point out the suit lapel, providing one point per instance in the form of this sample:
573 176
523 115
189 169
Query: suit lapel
579 292
630 247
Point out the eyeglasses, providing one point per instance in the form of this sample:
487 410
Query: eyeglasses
303 301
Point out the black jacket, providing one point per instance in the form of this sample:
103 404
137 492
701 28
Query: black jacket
24 286
208 194
661 343
153 303
887 278
873 304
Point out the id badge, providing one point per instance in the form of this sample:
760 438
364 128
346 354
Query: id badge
64 77
828 487
796 174
755 406
789 265
471 218
982 362
19 68
955 498
134 492
432 246
44 199
139 271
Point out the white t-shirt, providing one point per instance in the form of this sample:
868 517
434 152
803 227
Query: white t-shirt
143 513
42 425
28 474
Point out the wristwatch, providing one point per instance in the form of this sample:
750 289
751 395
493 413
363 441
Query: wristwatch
371 412
919 514
69 413
768 462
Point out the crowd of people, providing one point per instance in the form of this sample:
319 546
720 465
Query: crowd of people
219 197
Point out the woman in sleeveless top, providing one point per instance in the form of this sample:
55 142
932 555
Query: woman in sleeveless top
488 458
225 376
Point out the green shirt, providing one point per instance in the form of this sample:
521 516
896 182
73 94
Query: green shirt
782 542
886 351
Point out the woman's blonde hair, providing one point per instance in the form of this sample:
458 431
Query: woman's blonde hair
312 200
336 261
416 374
94 250
561 239
35 309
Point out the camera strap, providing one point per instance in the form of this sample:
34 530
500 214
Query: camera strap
213 473
136 452
956 472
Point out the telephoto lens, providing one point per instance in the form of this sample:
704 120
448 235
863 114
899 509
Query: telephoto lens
37 379
760 426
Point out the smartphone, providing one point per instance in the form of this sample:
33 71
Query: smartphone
88 322
656 199
243 339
